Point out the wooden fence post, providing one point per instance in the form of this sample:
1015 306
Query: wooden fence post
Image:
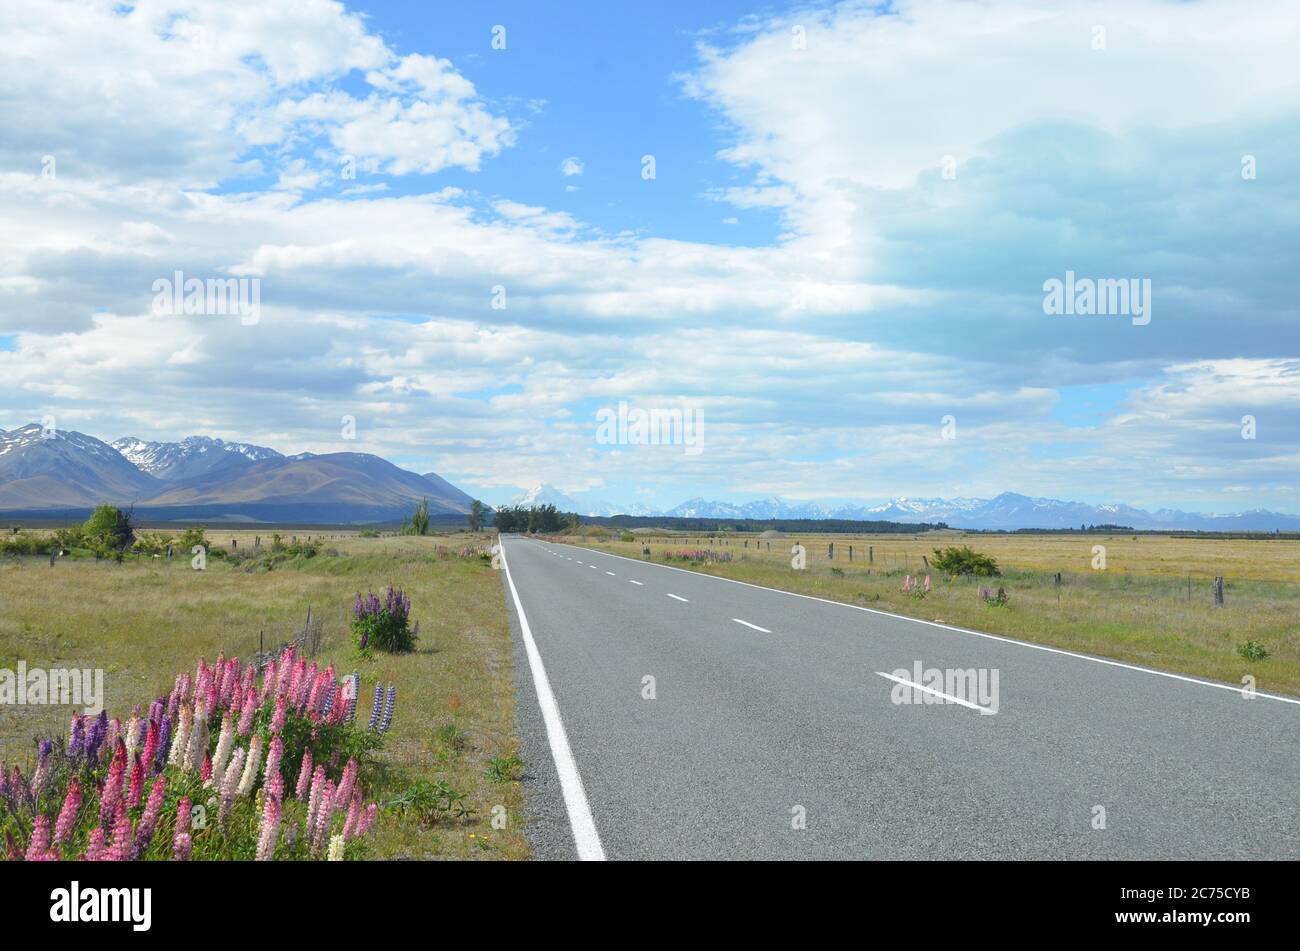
1218 590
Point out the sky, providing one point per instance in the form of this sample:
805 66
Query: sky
824 232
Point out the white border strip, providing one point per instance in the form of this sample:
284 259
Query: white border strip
585 836
960 630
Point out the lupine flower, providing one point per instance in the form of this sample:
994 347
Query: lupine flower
347 782
68 813
354 816
77 735
181 846
224 742
324 813
273 757
246 716
313 801
205 772
335 853
270 829
149 820
376 707
181 742
367 819
96 847
114 730
120 850
39 844
352 696
164 743
228 785
137 785
112 794
133 735
281 714
387 720
197 747
150 754
251 765
304 776
42 773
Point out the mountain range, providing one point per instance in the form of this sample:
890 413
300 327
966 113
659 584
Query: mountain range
61 473
1005 512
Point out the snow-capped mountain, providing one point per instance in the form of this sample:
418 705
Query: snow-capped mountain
57 467
192 456
773 507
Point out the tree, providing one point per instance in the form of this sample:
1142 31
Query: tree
965 561
475 515
109 532
418 523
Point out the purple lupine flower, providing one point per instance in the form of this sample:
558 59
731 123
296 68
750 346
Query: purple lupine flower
389 703
76 742
376 707
164 743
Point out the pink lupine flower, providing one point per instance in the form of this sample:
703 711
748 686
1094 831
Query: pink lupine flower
354 816
197 747
96 847
339 706
133 736
205 773
927 582
229 784
181 846
137 785
40 841
281 714
68 813
120 850
314 698
249 681
347 782
304 776
270 829
275 785
114 730
246 716
181 741
367 819
273 757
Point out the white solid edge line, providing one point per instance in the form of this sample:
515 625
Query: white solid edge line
754 626
678 597
585 836
960 630
938 693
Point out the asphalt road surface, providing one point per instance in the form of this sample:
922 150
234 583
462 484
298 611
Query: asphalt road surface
770 731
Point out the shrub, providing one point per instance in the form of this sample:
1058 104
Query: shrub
432 802
194 535
505 769
1253 650
109 532
384 625
965 561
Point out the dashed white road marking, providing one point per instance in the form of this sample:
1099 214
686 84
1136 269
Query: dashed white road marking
636 583
585 836
677 597
938 693
610 573
754 626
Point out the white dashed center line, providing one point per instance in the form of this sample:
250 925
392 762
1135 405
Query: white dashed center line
754 626
610 573
677 597
636 582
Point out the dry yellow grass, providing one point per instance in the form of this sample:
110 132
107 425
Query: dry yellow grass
145 620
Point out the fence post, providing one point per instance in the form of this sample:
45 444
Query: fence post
871 553
830 551
1218 590
850 553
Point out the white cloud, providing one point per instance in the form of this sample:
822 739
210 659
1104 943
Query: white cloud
571 166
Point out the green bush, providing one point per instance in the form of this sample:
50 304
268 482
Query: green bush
1253 650
965 561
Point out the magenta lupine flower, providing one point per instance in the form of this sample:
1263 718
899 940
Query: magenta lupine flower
68 813
338 706
120 850
314 694
246 716
304 776
150 754
367 819
136 788
40 841
205 772
149 820
96 847
276 786
354 817
183 815
112 794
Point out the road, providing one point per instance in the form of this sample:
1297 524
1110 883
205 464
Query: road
770 731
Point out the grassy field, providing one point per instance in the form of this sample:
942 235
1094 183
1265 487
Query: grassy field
1153 603
147 619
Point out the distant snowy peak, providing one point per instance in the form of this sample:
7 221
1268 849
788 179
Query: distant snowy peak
188 457
35 434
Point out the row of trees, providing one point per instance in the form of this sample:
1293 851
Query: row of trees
418 522
538 518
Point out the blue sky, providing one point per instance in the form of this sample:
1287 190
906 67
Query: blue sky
854 212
